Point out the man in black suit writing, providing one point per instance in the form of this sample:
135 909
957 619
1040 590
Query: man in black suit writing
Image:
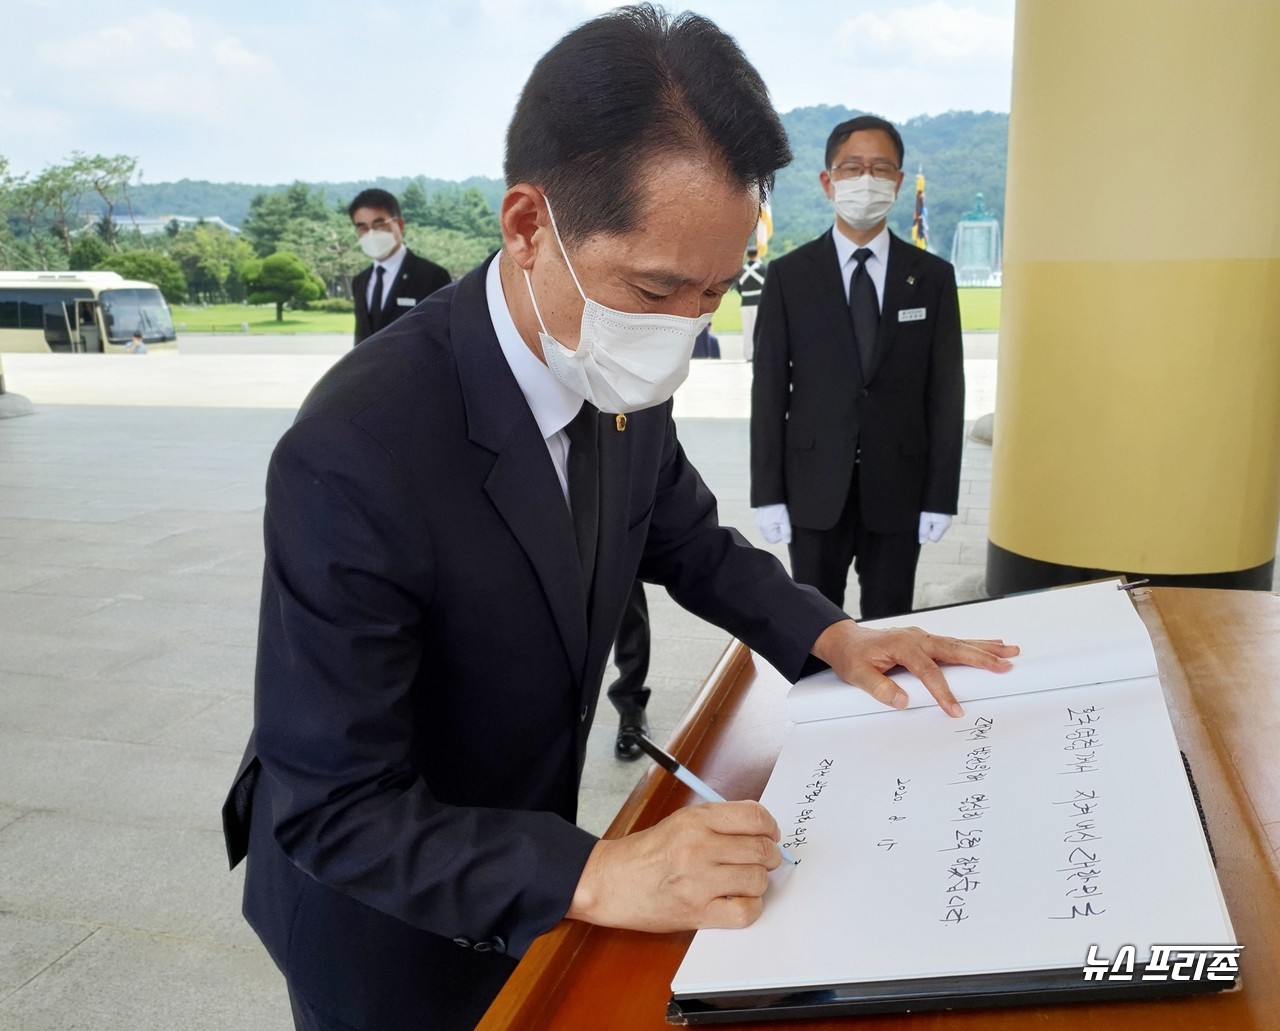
398 279
453 525
857 402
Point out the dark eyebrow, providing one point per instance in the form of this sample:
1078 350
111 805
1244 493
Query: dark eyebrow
673 280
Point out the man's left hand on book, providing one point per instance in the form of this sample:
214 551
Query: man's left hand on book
862 656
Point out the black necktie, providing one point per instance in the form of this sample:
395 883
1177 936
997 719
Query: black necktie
864 309
584 485
375 305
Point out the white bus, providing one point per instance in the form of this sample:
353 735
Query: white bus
79 312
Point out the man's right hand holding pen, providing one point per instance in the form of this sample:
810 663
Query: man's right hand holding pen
708 865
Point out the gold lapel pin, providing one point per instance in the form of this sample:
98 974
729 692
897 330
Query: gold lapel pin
620 421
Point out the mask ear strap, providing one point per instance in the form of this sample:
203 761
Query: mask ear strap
528 285
560 243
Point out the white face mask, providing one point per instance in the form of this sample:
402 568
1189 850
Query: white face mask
378 244
625 361
864 201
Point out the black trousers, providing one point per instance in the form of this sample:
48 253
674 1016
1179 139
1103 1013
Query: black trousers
885 562
631 655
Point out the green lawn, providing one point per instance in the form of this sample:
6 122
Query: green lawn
229 318
979 309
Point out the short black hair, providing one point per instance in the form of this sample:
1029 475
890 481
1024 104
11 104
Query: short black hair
626 87
861 124
379 200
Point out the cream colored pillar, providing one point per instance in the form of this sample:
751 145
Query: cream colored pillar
1138 411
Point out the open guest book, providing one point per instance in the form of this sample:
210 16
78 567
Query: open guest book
1045 847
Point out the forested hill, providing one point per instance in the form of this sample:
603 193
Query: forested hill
962 153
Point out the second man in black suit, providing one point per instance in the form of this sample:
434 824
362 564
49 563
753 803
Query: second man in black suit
398 279
857 402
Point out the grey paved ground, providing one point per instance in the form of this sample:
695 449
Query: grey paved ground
130 556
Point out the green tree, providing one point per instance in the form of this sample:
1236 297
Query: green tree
30 208
280 278
328 245
466 212
12 253
63 188
413 204
151 267
456 251
87 252
209 256
270 214
109 178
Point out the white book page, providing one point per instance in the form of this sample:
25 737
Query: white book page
1088 634
1012 839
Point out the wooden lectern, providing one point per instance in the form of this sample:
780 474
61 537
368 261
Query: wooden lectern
1219 659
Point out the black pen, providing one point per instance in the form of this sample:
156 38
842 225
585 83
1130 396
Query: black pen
700 787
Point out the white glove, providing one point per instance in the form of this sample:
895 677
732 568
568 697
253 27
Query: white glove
774 523
932 526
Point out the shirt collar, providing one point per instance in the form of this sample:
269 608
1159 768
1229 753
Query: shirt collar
845 247
553 404
392 265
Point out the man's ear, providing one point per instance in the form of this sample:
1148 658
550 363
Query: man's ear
521 214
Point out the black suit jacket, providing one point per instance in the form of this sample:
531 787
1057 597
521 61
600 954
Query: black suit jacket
812 413
430 659
418 280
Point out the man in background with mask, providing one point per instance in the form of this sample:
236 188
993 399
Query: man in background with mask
453 525
857 403
398 279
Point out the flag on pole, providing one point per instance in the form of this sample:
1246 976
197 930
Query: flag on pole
920 224
764 230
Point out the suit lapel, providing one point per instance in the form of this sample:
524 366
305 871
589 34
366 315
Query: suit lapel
397 288
899 287
360 295
522 484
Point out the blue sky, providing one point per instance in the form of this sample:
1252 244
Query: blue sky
268 92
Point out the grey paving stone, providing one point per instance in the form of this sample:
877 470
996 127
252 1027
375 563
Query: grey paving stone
29 946
120 981
168 620
20 611
116 553
96 709
681 656
213 667
204 588
114 780
10 813
53 653
223 727
155 879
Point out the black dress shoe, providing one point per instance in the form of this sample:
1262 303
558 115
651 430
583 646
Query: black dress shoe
627 748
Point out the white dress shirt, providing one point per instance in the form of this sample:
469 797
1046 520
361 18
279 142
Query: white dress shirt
877 264
392 266
553 404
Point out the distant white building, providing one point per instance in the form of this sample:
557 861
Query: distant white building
150 225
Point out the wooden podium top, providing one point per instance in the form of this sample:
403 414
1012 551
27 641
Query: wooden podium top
1219 659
